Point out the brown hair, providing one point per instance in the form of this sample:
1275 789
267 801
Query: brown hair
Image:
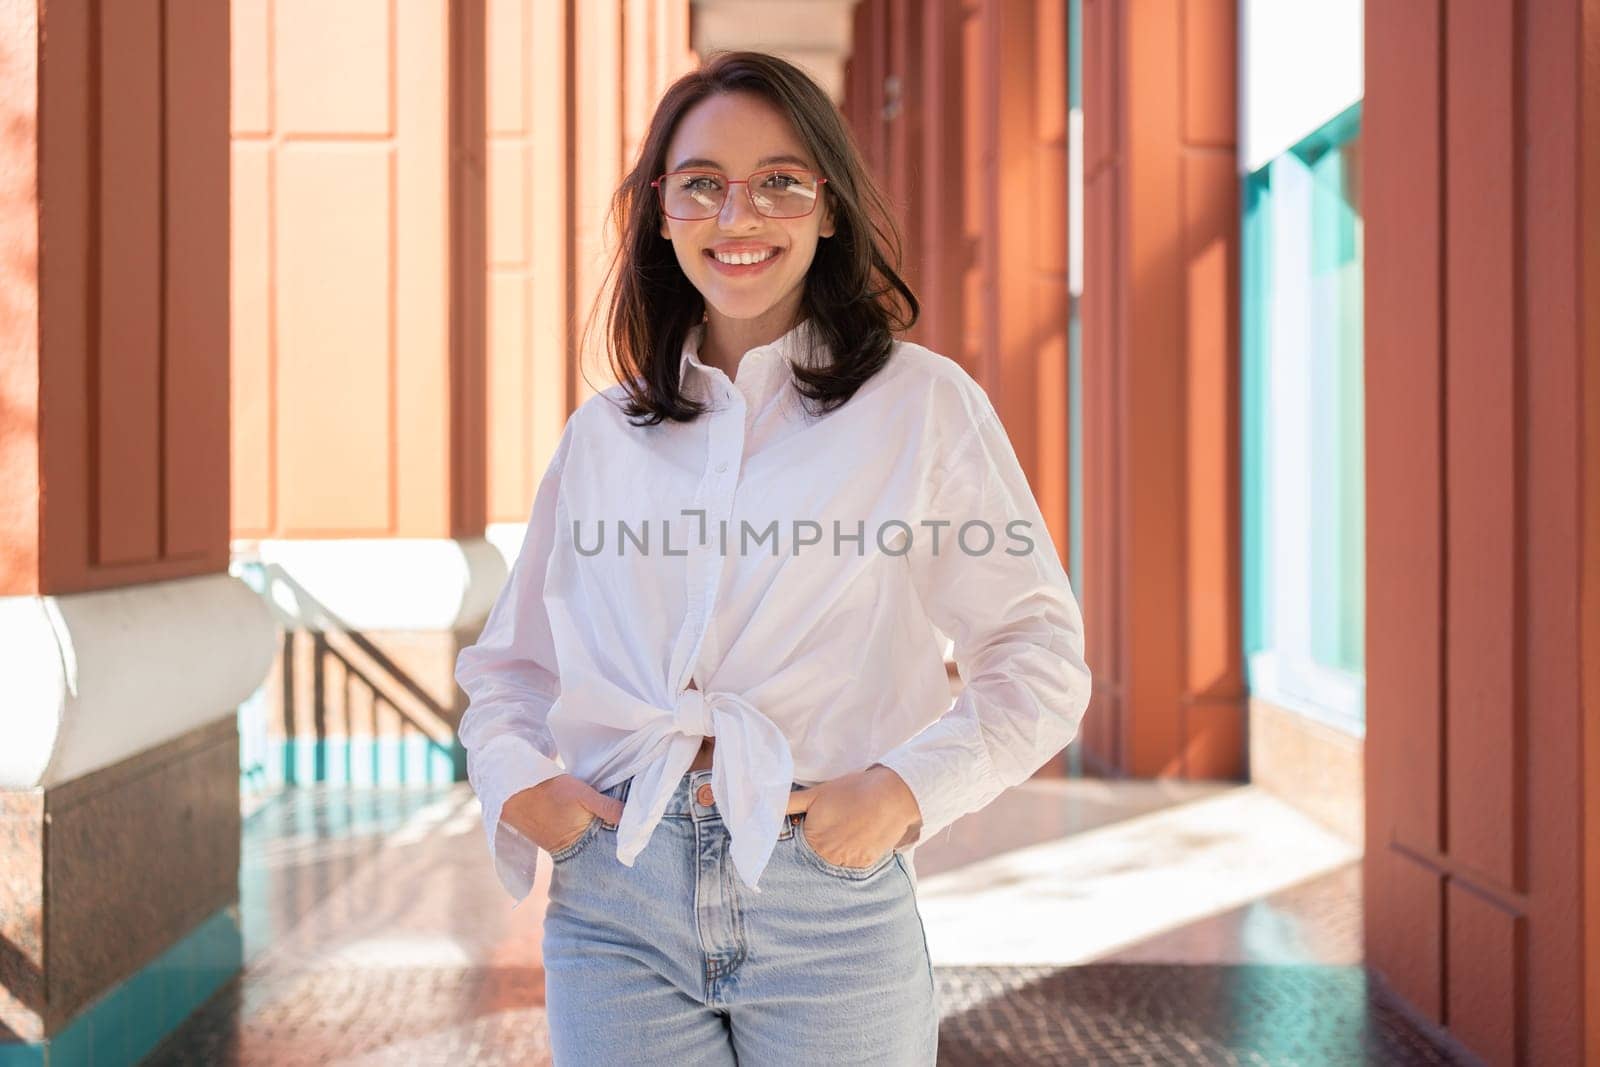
854 295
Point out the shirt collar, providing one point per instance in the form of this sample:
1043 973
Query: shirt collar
800 346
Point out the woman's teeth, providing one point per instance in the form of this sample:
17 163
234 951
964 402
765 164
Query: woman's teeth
735 259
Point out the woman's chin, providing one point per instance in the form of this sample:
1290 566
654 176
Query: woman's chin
742 309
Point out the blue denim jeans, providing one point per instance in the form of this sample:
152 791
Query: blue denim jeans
674 960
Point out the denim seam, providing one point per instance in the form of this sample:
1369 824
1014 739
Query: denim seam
916 907
732 891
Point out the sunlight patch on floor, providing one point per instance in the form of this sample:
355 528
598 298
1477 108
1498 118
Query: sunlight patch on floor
1077 898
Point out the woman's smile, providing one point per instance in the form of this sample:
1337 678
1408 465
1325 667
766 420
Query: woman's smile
741 262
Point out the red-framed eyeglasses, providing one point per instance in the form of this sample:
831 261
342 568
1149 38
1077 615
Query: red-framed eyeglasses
777 193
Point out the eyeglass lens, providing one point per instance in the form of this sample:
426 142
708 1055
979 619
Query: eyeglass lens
777 194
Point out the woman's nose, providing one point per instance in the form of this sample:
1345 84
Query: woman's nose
737 211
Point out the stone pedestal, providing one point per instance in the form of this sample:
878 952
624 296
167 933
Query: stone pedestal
119 811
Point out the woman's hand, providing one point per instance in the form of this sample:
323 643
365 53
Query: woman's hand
856 819
557 811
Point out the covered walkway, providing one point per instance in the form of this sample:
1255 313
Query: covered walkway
374 934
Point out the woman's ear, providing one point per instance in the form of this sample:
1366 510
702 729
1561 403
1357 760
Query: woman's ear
665 232
827 217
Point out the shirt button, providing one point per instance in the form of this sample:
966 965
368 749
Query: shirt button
704 795
721 467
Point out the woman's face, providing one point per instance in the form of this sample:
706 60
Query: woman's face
736 134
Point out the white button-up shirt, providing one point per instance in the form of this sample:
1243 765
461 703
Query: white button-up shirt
800 570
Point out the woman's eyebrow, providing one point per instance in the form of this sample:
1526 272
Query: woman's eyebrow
701 161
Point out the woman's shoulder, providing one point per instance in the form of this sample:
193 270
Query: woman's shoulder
948 389
603 410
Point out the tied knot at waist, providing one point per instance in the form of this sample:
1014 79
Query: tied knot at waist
696 712
751 774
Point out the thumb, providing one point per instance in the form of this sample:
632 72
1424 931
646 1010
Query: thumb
608 808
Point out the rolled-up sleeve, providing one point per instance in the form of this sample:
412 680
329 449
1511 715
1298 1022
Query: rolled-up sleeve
994 584
511 682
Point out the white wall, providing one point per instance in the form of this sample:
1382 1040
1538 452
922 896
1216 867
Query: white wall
1300 64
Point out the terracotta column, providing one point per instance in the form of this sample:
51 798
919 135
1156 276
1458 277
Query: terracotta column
1160 381
1482 871
125 646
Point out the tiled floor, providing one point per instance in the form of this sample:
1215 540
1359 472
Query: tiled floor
1071 922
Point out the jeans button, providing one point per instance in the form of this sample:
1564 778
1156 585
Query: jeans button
703 795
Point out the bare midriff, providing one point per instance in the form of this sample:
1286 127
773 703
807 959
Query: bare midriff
702 759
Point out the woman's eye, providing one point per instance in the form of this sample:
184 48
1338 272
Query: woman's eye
781 181
701 184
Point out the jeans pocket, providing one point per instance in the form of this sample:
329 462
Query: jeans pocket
851 874
566 852
619 791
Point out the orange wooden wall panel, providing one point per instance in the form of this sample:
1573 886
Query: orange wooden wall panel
252 158
335 348
969 350
1405 497
1559 119
68 298
510 388
467 250
904 144
1588 264
571 90
1160 338
1543 27
530 303
1213 681
251 426
126 403
1476 319
1012 324
1152 406
126 357
1210 58
550 303
941 247
357 143
428 286
1482 749
1212 578
195 375
597 154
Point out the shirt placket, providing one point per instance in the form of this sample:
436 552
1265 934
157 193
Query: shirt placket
714 496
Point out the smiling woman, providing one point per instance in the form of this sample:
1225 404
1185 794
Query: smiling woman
749 182
728 746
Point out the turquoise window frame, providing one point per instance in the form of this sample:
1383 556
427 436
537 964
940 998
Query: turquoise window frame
1303 485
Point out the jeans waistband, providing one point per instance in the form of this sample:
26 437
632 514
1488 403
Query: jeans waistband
683 804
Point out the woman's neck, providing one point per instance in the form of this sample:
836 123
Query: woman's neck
726 340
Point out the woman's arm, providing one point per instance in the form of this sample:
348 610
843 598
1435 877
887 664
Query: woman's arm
1016 627
510 680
